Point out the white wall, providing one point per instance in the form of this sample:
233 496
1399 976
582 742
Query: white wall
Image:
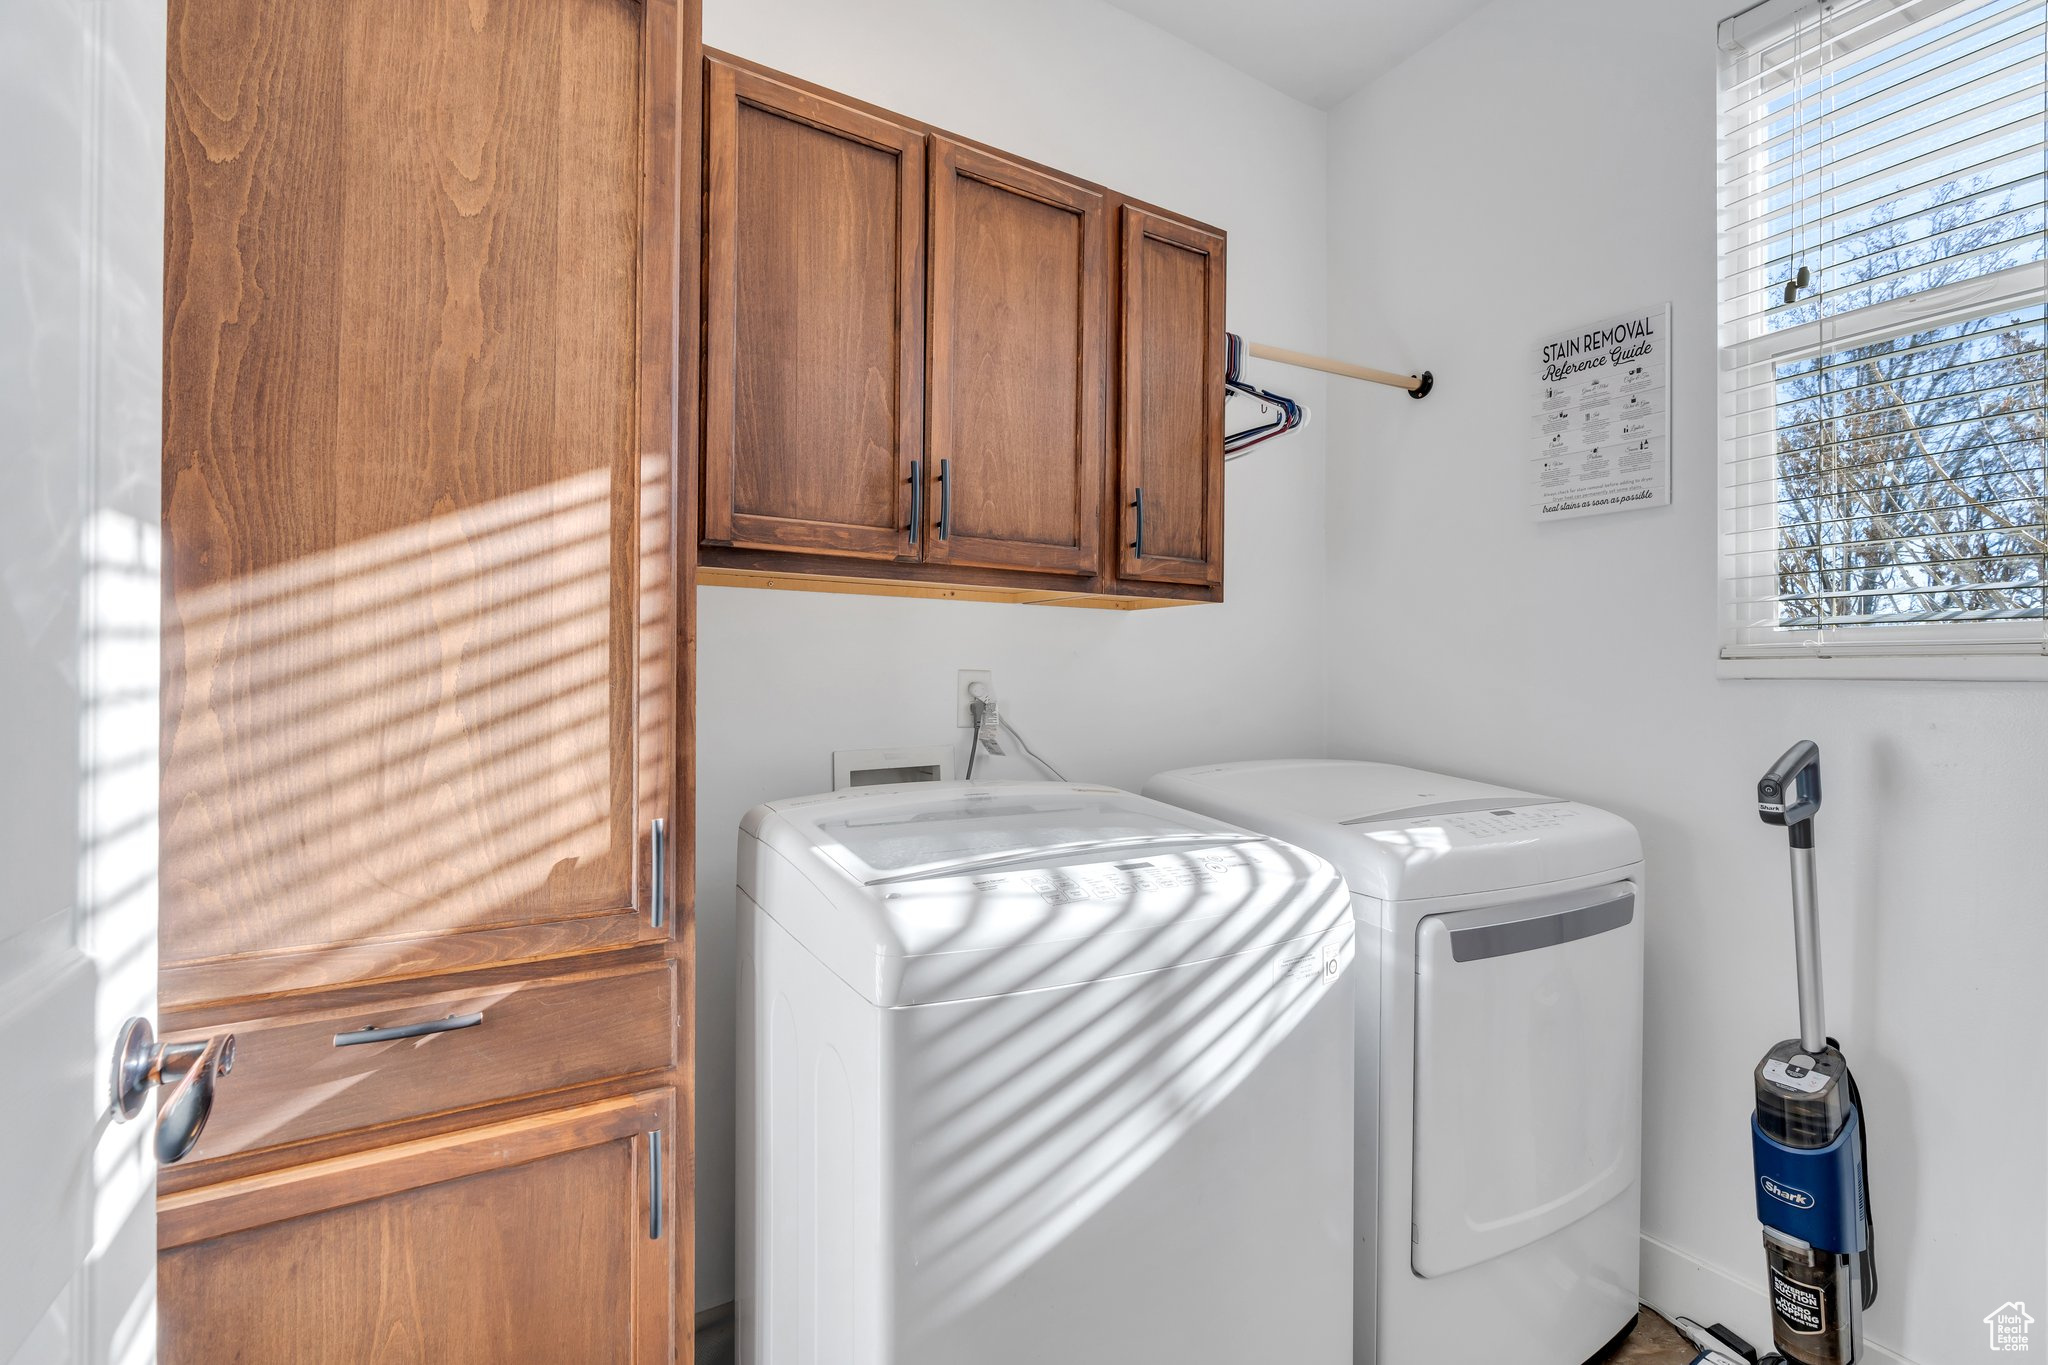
785 678
1548 163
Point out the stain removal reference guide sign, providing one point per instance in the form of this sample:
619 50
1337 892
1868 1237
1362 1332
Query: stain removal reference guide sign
1602 433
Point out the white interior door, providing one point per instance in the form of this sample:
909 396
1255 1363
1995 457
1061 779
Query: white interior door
81 305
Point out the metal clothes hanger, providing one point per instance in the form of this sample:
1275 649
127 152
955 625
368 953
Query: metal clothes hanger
1288 414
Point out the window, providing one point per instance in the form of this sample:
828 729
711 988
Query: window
1882 258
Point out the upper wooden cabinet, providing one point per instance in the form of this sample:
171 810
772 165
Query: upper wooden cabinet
935 368
1170 450
814 362
1019 335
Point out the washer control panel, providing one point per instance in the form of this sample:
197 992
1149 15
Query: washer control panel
1114 881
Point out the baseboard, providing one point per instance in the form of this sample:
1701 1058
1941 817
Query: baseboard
715 1335
1679 1285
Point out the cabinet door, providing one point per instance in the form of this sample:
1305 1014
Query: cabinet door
1170 449
1018 393
814 342
421 621
530 1242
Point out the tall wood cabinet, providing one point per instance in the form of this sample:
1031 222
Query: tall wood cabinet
430 302
936 368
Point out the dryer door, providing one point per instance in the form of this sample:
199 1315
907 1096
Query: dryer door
1528 1070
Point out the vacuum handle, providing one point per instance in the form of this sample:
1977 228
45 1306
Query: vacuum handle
1813 1021
1789 794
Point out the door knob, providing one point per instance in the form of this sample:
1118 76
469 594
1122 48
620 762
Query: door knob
187 1071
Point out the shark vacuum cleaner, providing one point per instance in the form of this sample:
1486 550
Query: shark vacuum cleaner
1812 1167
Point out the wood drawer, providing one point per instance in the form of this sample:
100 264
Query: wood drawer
533 1034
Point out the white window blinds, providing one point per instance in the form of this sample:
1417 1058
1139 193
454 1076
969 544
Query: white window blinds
1882 257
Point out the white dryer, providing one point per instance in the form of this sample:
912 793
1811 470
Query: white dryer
1500 1044
1035 1072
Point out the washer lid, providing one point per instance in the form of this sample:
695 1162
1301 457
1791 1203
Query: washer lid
930 891
915 831
1404 834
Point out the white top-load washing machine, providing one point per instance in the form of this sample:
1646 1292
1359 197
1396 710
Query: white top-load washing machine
1034 1073
1499 1051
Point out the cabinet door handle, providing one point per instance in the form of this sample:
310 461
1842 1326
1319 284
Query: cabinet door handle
657 871
654 1186
357 1037
945 498
1138 507
916 502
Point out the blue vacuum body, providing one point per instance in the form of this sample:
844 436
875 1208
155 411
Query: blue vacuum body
1807 1135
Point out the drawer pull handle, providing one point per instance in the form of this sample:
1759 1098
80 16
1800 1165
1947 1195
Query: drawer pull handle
386 1035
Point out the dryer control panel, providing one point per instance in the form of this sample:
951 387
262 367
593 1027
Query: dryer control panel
1515 820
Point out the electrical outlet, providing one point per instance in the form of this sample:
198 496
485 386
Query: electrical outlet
968 677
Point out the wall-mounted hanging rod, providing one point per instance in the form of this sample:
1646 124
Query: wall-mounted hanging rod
1415 385
1279 414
